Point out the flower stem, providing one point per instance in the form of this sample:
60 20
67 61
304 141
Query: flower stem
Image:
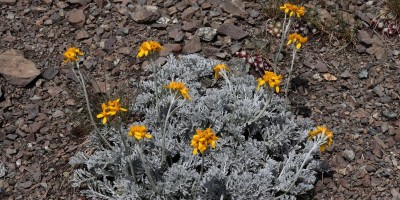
283 36
147 169
153 64
301 167
163 157
127 151
259 115
82 81
197 183
290 72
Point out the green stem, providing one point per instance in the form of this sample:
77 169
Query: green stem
82 81
290 72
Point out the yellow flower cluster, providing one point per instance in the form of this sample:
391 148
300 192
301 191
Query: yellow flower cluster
148 47
297 39
272 79
179 87
110 109
293 9
71 55
218 68
139 132
202 139
327 133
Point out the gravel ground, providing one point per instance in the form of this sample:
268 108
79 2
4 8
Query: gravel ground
352 87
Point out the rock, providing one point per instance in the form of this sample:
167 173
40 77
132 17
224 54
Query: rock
7 2
1 92
378 89
389 114
254 13
82 34
191 26
54 91
188 13
11 151
26 184
32 110
321 67
233 31
348 155
346 74
176 34
397 136
16 69
234 7
360 48
82 2
50 73
207 33
234 48
11 137
170 48
210 51
143 16
192 46
76 17
363 36
363 73
58 113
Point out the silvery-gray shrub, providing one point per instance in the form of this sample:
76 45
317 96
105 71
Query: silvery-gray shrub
256 161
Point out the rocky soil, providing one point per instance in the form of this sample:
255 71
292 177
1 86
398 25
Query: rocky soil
351 86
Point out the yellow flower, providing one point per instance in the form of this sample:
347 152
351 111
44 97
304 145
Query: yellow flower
110 109
148 47
202 139
293 9
139 132
104 113
115 106
327 133
179 87
272 79
71 55
218 68
296 39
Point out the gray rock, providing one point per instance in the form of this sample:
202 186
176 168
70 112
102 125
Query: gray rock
254 13
378 89
50 73
363 73
363 36
233 31
191 26
81 2
176 34
58 113
321 67
170 48
192 46
389 114
32 110
12 136
16 69
207 33
346 74
348 155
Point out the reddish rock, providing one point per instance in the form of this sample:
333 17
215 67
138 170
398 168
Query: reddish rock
76 17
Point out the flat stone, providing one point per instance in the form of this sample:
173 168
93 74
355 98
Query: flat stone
58 113
191 25
32 110
346 74
233 31
12 136
82 2
254 13
11 151
176 34
143 16
16 69
192 46
188 13
76 17
170 48
49 73
234 7
26 184
321 67
363 36
82 34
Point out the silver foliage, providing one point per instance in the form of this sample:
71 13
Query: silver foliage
257 161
